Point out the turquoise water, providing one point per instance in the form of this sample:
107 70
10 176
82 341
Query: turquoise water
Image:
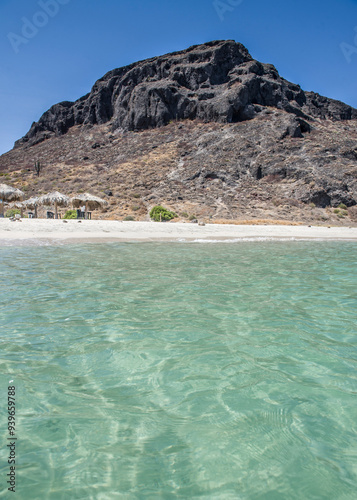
164 371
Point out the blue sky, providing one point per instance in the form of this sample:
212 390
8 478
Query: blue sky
78 41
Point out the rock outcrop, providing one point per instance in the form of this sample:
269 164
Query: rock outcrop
215 82
208 132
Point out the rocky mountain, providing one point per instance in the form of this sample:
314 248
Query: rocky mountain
208 129
215 82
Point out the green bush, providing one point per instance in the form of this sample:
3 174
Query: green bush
185 215
70 214
129 218
12 212
336 211
343 206
161 213
192 217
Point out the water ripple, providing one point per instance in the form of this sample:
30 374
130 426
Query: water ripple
215 371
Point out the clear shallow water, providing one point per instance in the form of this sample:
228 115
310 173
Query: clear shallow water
210 371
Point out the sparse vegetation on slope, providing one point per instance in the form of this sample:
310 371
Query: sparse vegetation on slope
213 171
161 214
208 132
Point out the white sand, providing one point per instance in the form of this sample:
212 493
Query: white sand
37 231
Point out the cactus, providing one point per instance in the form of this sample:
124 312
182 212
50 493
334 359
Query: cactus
38 168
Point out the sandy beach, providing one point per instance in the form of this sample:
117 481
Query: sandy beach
39 231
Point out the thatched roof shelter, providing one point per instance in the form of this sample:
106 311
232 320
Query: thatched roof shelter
90 201
8 193
55 198
16 204
19 205
32 204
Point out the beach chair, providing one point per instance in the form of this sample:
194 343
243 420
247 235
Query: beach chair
80 214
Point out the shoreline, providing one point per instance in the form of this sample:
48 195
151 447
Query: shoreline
49 231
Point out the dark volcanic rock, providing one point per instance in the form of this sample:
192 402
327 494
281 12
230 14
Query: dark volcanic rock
215 82
243 142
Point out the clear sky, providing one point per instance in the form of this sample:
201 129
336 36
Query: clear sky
54 50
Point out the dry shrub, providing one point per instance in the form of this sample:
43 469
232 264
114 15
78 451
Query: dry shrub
272 178
277 202
352 212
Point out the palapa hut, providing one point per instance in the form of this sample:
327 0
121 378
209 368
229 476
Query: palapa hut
19 205
32 204
90 201
55 198
8 193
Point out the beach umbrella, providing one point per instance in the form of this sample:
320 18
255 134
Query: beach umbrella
8 193
32 204
90 201
55 198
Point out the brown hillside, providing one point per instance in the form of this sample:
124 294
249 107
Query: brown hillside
207 132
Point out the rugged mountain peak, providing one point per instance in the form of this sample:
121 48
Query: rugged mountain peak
217 81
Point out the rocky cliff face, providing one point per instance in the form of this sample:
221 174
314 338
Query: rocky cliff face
214 82
208 132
